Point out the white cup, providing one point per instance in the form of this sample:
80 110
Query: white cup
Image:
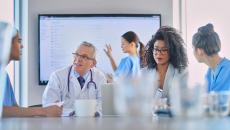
85 107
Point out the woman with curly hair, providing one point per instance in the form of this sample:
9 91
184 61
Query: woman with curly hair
166 56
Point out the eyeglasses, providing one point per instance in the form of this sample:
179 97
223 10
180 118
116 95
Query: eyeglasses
20 40
83 57
162 51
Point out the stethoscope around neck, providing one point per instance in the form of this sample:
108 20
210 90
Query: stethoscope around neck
90 83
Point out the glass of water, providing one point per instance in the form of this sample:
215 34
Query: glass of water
218 103
134 96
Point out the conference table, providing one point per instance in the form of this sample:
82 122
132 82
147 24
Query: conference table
115 123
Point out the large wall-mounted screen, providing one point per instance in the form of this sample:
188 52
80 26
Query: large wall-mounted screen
61 34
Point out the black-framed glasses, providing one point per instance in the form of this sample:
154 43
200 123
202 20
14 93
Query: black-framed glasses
162 51
20 40
84 57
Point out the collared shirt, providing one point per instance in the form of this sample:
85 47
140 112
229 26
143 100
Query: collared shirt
219 79
9 98
128 67
85 76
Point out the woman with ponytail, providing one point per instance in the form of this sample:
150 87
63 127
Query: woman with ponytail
130 65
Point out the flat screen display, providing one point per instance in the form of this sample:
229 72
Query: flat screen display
61 34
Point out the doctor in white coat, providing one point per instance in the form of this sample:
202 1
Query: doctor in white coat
78 81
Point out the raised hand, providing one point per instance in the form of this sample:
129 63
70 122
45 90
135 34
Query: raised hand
108 50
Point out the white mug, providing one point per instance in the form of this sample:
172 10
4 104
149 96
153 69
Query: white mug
85 107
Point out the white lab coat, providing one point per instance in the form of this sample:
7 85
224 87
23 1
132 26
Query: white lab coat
171 76
57 90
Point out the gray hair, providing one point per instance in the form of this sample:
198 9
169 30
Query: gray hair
7 33
88 44
207 39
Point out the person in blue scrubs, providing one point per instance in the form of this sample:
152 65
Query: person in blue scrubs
10 37
9 98
130 65
206 44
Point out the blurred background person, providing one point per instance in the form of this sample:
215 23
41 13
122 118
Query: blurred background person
207 45
10 39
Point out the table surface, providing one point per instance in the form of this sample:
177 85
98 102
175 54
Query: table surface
114 123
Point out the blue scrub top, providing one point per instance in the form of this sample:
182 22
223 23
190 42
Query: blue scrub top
9 98
128 67
219 80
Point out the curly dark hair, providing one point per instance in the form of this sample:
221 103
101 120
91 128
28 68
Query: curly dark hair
175 44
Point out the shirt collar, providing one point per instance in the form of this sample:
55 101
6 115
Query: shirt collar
85 76
219 65
218 68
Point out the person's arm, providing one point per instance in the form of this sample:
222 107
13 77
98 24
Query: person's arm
52 92
108 52
15 111
113 64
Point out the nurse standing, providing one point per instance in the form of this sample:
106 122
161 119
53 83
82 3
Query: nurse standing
130 65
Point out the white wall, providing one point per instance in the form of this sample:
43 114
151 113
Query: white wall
34 93
6 10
